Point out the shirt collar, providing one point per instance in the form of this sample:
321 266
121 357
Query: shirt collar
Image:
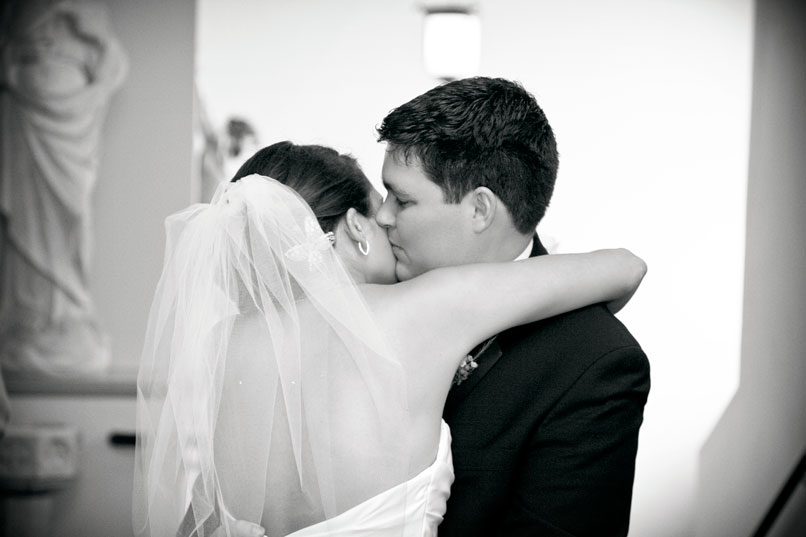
527 251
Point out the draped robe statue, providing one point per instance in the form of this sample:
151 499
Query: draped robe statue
59 66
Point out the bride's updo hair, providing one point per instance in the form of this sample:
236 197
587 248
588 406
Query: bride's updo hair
328 181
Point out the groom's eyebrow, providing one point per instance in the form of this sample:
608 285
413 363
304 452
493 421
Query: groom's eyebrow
387 186
395 190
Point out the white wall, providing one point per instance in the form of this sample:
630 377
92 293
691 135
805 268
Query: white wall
762 435
650 101
145 167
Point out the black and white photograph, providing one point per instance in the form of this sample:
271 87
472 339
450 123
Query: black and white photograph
402 268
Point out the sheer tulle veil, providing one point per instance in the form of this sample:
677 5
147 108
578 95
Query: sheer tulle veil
266 391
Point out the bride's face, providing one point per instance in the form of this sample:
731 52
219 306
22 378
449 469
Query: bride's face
380 263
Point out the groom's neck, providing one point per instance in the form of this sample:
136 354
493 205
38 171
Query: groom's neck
504 247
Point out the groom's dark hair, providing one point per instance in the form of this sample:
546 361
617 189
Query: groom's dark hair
480 132
330 182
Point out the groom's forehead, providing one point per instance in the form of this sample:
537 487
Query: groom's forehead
413 184
393 184
404 176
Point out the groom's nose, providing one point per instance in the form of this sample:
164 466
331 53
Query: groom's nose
385 216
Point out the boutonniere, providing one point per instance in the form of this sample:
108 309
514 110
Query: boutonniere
469 364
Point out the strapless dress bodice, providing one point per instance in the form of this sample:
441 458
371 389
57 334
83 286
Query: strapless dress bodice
412 509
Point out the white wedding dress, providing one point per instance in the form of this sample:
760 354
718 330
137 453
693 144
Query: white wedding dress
414 508
415 513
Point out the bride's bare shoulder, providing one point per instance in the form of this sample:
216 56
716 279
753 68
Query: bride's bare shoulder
416 307
423 292
381 298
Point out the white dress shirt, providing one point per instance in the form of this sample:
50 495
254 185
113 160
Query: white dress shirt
527 251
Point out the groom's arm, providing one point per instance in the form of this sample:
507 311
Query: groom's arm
578 477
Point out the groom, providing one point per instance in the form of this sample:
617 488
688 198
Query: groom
545 428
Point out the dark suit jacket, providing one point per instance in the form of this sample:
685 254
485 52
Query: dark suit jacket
545 431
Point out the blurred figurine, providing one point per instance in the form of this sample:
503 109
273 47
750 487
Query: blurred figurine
242 139
219 153
208 158
59 66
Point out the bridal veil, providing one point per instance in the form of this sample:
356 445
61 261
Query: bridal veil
266 392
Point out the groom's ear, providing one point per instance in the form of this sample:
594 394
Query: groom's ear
484 204
355 225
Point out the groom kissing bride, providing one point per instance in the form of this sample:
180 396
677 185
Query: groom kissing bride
535 433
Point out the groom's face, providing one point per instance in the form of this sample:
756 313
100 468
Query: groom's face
425 231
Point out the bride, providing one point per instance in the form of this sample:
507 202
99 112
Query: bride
287 380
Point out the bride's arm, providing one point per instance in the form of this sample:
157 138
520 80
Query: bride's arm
466 304
616 304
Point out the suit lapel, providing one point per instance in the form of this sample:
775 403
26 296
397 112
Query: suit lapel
537 247
486 359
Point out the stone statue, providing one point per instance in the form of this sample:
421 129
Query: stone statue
59 66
